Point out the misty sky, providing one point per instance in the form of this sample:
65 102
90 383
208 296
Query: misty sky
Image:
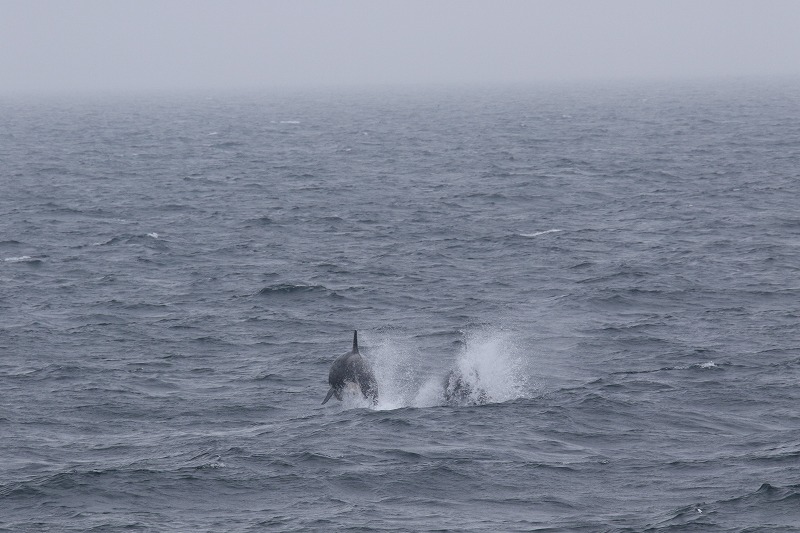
75 45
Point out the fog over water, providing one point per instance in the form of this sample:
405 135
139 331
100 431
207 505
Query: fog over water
92 45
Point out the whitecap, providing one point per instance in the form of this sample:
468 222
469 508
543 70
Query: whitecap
21 259
536 234
153 235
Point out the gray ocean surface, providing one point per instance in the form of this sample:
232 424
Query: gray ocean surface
616 266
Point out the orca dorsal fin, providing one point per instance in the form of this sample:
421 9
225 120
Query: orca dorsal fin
355 341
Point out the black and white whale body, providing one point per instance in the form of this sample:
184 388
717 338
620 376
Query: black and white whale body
352 369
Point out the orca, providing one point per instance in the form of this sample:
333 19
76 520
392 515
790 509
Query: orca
351 368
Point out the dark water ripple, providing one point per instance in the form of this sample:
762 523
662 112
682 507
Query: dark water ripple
617 265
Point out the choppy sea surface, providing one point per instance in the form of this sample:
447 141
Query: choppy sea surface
617 268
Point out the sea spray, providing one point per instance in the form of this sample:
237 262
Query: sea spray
397 369
491 365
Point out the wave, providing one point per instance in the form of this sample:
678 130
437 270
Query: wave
261 221
226 144
144 238
23 259
769 507
285 289
76 480
538 233
707 365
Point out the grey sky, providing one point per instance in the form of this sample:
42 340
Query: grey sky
54 45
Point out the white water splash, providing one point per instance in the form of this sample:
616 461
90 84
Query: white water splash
394 364
491 365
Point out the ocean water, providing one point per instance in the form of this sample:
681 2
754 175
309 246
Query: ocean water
617 268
